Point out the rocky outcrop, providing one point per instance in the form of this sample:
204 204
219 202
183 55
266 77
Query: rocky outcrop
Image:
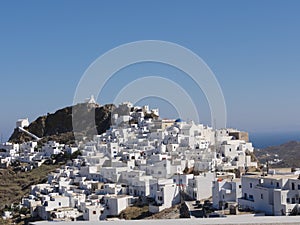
58 126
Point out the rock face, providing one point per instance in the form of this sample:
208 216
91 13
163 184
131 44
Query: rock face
58 126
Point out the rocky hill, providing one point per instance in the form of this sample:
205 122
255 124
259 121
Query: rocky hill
91 118
285 155
58 126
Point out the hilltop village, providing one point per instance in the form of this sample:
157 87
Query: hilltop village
157 162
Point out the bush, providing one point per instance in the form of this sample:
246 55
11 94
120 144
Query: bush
24 211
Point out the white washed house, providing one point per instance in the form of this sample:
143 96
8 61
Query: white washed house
273 194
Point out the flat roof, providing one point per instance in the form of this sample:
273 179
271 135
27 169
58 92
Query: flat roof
275 176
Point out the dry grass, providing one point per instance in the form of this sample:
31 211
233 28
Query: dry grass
14 185
135 212
170 213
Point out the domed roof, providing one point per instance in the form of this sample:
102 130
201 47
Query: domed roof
178 120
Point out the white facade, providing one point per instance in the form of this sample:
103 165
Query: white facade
51 148
200 187
52 203
114 205
226 191
166 196
93 212
10 148
274 195
28 147
22 123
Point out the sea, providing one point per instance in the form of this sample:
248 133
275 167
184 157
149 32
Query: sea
267 139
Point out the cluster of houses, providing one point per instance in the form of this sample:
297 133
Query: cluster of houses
30 154
144 158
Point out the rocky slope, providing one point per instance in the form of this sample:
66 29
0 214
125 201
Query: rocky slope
58 126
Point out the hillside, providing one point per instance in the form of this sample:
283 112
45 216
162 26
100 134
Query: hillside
289 153
14 185
58 126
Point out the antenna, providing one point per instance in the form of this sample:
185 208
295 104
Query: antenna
215 124
215 144
215 135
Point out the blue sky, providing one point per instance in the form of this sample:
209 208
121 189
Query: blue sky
253 47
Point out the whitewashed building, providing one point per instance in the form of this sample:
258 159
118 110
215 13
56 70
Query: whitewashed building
226 191
273 194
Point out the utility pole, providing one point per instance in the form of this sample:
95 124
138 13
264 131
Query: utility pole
215 124
180 190
215 144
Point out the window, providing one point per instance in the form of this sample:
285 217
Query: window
251 197
261 181
293 200
240 186
59 204
261 196
287 200
94 212
293 186
250 185
298 186
277 184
